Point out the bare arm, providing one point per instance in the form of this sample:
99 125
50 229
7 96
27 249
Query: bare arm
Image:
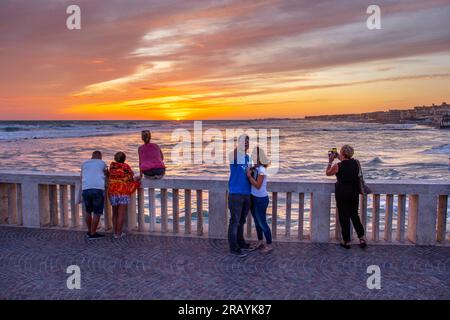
140 160
332 169
256 183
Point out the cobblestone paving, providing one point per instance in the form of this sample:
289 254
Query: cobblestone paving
33 265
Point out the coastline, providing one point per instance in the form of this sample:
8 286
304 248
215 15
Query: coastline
437 116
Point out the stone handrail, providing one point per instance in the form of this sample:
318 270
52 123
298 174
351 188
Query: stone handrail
300 209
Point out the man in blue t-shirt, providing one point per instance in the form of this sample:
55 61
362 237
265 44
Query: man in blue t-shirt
238 196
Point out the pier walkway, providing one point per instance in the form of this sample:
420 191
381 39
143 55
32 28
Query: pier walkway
33 264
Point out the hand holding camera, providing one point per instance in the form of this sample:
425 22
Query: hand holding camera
332 154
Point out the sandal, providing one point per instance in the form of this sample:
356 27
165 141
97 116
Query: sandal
362 243
344 245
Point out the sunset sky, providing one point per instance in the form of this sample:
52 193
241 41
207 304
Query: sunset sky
142 59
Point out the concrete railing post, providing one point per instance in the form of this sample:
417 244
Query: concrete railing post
320 216
422 219
3 203
217 215
30 205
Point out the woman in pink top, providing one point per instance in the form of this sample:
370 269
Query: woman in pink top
151 158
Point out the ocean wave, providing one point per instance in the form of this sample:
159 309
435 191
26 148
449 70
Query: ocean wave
375 161
441 149
12 129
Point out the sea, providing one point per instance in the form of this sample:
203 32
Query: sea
298 150
386 151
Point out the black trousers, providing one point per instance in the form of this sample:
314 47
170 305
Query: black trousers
347 201
239 206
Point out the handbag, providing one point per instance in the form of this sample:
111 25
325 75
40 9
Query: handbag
363 187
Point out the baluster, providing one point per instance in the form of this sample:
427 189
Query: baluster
388 217
176 210
376 217
301 214
12 204
108 213
44 204
401 209
64 206
187 211
199 212
74 207
3 203
363 210
53 194
274 214
141 213
19 205
132 221
164 218
442 218
249 221
152 209
288 214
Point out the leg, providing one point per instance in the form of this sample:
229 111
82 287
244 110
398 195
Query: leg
344 218
355 217
234 205
94 224
262 220
242 219
88 219
98 202
121 217
254 210
115 214
89 208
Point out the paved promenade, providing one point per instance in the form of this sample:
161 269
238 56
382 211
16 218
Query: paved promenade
33 265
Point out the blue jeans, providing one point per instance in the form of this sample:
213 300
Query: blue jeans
239 205
259 209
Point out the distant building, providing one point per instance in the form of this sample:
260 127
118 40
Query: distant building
434 114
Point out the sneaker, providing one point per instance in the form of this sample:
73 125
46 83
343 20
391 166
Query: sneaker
96 236
267 249
246 247
239 254
119 236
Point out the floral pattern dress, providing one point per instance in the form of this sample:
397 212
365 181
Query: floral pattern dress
121 183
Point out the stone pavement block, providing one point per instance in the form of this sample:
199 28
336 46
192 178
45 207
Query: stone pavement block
34 262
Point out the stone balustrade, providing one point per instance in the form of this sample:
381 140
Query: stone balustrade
399 211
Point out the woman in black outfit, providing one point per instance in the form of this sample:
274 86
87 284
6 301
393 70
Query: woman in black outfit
347 193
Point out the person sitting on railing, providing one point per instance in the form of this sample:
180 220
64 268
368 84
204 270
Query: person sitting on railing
93 174
260 198
121 184
238 196
151 158
347 193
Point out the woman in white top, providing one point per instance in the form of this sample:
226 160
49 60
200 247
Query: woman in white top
260 198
